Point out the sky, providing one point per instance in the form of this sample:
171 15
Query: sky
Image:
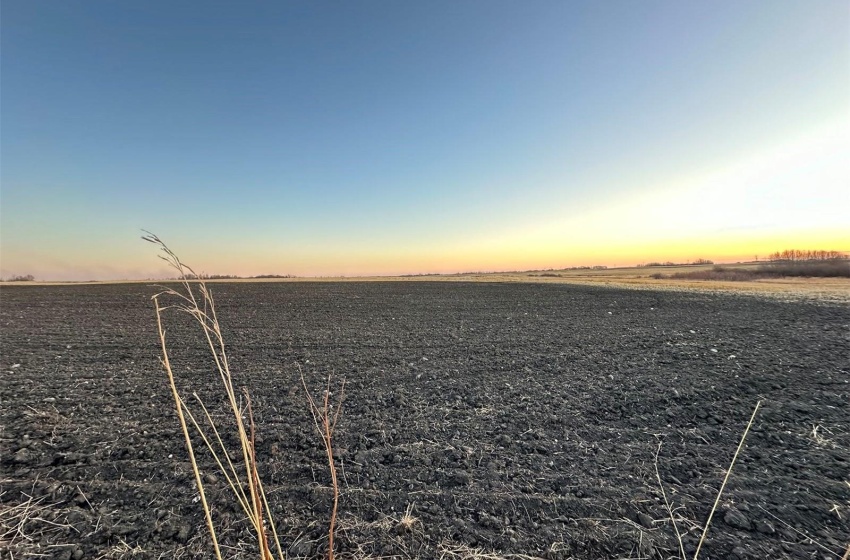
383 137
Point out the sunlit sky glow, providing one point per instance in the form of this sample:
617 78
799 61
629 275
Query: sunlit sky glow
382 137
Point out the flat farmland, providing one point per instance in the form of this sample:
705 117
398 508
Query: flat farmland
513 420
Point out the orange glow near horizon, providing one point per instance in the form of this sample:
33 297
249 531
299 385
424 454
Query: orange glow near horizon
747 209
494 256
507 255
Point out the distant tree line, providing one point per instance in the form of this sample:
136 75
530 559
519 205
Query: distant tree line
790 262
796 262
204 276
585 267
26 278
670 263
797 255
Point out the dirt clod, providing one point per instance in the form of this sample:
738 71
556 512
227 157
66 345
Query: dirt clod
763 526
735 518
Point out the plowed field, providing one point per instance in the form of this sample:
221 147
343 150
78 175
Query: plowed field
502 419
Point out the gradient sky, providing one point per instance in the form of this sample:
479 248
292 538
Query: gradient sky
382 137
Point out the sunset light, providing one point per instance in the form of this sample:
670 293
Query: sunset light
388 139
425 279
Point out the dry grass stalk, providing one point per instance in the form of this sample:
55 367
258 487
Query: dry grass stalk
14 519
667 504
805 536
166 363
407 520
198 303
726 479
716 500
121 550
325 417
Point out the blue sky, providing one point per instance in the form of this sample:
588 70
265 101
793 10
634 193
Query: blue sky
387 137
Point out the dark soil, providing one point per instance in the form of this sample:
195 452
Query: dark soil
506 419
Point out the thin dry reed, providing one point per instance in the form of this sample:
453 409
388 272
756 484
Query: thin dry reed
195 299
325 418
669 506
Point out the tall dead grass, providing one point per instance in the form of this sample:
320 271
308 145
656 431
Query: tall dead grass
239 467
325 416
